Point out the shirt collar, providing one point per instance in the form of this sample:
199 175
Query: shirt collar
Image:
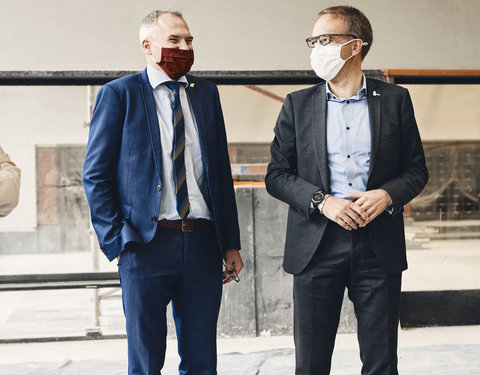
157 77
361 94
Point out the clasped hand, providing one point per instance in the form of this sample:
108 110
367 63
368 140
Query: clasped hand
365 207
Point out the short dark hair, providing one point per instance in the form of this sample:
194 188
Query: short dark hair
355 21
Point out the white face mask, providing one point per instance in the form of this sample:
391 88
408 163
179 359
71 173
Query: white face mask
326 60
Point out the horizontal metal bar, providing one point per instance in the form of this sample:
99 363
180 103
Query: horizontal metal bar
10 283
58 277
24 340
233 77
220 77
62 285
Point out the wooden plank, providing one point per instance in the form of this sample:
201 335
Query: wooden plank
432 72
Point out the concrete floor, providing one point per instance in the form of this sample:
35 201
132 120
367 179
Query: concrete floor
424 351
436 265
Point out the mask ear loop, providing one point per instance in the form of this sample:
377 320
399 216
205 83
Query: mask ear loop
350 41
363 44
153 58
158 45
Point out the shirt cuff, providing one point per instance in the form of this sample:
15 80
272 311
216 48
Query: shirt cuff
390 208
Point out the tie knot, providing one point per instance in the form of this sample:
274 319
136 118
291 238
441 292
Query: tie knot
174 86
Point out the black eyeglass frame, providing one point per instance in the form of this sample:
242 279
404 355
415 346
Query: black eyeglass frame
232 273
311 41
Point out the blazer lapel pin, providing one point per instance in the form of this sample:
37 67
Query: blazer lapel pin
192 84
375 93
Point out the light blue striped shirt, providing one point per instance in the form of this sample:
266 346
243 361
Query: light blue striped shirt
348 142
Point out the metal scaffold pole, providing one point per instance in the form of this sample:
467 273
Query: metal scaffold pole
95 329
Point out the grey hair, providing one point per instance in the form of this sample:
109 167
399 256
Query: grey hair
149 22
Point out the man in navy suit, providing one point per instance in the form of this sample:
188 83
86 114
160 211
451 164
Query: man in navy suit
158 180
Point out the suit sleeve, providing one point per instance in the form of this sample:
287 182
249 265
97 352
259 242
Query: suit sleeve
230 227
99 172
282 181
413 170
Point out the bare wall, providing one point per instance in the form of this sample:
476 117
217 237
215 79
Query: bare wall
232 34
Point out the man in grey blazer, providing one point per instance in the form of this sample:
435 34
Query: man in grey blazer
346 158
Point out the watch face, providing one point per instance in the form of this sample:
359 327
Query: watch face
317 198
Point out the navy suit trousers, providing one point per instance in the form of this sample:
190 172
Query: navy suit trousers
182 267
345 259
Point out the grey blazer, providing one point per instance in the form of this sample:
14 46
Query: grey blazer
299 167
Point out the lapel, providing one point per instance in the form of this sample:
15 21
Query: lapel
374 97
152 120
196 100
318 102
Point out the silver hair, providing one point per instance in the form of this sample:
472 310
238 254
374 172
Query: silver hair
149 23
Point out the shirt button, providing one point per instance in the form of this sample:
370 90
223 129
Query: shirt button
348 156
350 184
348 127
154 219
348 101
159 187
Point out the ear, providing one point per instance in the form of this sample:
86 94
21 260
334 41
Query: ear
357 47
147 47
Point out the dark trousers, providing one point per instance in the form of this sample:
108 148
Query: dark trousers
182 267
346 259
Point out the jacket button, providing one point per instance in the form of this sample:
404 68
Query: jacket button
159 187
154 219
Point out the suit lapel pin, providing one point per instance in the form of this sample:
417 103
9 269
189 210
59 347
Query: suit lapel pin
192 84
375 93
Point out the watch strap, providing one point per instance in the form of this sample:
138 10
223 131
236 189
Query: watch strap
322 203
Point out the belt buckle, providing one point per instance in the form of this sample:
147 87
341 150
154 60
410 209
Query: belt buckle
184 227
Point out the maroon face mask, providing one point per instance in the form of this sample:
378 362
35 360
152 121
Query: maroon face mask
176 62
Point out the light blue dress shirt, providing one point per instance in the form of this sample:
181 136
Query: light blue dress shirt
348 142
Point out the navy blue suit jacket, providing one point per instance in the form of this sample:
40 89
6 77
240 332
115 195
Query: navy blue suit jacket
122 173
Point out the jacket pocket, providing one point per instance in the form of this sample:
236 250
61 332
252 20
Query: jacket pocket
125 211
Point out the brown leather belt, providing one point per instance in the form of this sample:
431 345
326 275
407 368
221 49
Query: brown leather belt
186 225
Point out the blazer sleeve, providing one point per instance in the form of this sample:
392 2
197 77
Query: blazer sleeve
230 227
99 172
9 184
282 181
413 174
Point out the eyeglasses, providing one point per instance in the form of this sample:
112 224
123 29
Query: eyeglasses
324 39
232 273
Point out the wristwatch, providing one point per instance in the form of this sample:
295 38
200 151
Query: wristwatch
318 198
